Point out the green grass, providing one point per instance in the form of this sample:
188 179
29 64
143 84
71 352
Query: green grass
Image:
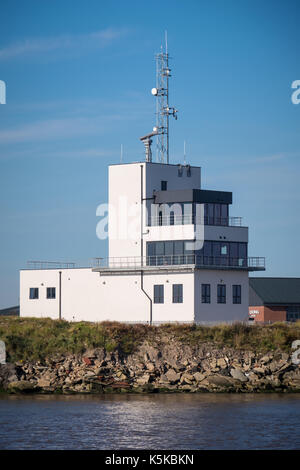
35 339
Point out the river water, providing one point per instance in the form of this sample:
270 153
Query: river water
171 421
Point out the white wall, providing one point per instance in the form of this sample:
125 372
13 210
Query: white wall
221 312
87 296
169 311
41 279
125 200
157 172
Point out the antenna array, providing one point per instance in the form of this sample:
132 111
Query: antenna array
163 110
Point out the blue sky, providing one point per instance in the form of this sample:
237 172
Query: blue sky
78 77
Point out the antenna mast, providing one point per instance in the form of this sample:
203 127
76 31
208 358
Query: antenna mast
163 110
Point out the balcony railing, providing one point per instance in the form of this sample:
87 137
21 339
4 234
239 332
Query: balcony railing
255 263
49 265
192 219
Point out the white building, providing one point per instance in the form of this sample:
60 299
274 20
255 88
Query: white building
175 254
154 273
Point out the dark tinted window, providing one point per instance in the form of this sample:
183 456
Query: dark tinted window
177 293
34 293
205 293
236 294
159 294
221 294
50 292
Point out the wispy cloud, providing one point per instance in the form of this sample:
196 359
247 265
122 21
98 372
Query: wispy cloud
70 119
67 43
56 128
86 152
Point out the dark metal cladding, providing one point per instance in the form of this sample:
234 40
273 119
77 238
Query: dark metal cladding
193 195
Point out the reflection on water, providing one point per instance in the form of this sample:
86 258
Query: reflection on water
202 421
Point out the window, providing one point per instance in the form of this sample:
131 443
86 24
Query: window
164 185
177 293
293 313
205 293
236 294
34 293
51 293
159 294
221 294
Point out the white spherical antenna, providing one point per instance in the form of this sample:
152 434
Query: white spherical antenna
154 91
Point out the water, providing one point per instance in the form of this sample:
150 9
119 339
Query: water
202 421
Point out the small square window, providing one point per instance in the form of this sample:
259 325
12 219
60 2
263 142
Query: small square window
51 293
164 185
34 293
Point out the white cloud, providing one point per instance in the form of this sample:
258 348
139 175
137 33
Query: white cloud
66 43
52 128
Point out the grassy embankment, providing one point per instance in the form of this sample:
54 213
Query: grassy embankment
33 339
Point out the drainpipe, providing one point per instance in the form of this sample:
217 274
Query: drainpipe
59 298
142 244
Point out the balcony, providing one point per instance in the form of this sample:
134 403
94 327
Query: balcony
177 263
162 220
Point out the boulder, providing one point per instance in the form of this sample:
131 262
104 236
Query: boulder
43 383
143 380
238 374
222 363
199 377
150 366
172 376
292 379
221 381
8 373
22 386
187 378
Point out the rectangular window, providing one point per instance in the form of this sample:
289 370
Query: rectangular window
221 294
51 293
34 293
177 293
237 294
205 293
159 294
164 185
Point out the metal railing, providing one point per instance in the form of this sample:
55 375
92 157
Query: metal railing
49 265
179 260
171 219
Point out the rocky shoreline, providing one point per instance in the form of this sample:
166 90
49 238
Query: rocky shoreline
168 366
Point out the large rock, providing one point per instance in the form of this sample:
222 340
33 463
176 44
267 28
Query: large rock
292 379
43 382
143 380
8 373
220 381
172 376
222 363
187 378
22 386
238 374
199 377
